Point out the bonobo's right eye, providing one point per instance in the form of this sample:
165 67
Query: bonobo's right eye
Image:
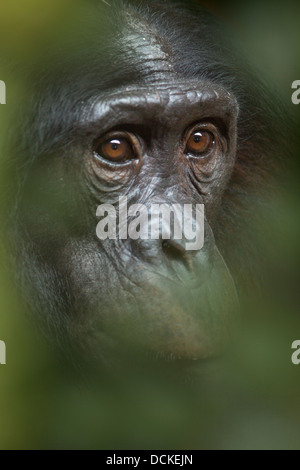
116 148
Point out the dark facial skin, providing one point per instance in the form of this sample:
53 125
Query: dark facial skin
113 297
165 299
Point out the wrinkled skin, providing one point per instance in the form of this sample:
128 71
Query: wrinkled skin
106 298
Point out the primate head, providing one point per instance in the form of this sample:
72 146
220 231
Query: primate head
148 105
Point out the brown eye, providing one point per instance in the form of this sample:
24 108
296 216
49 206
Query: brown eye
115 150
200 142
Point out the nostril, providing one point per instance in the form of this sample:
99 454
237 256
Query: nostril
177 252
173 249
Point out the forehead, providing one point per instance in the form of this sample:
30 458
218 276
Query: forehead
146 50
134 66
145 68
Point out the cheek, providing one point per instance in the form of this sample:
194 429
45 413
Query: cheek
211 177
189 316
104 177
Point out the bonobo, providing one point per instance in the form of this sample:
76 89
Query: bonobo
148 101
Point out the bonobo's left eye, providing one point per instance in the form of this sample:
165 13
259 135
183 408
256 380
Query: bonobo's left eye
201 140
116 148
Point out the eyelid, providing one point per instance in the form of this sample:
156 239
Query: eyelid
208 126
113 135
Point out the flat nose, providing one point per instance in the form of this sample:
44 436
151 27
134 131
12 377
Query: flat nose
163 251
174 233
175 250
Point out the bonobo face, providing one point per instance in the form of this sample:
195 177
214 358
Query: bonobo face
162 139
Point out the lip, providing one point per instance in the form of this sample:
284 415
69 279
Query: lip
173 324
